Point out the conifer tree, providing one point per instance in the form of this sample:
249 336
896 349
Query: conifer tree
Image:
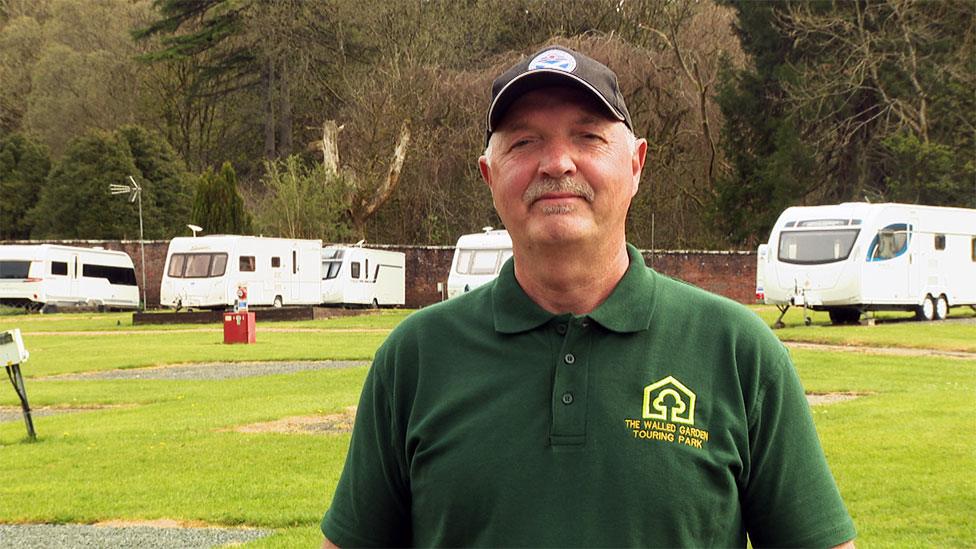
24 164
75 202
218 206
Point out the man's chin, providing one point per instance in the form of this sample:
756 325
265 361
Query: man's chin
557 209
559 228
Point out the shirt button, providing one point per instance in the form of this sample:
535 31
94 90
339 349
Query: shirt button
567 398
585 322
569 358
560 329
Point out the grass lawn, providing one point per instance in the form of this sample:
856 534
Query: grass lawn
100 322
894 330
903 454
109 341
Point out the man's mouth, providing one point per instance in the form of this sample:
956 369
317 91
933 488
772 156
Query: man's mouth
559 196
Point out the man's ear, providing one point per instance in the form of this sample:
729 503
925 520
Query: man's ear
637 161
485 170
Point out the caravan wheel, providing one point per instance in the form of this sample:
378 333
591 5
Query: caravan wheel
277 303
941 308
375 304
926 311
847 315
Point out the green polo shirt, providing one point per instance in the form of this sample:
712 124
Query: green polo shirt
666 417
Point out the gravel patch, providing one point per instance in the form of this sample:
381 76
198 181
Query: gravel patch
212 370
16 413
896 351
819 399
332 424
58 536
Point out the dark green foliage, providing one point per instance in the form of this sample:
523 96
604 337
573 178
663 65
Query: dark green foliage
771 168
848 100
24 165
217 22
164 179
929 173
218 206
76 203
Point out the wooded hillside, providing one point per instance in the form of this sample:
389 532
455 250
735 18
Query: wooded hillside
344 119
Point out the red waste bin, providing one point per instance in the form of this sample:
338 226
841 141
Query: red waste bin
239 327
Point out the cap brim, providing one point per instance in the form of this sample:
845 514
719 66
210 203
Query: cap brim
540 78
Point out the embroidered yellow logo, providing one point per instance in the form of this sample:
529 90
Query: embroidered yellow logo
668 415
669 400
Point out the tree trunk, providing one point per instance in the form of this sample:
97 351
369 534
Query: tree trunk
361 207
285 118
268 77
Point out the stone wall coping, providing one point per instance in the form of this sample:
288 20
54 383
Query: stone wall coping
368 245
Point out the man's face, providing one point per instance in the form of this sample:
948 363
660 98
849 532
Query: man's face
560 170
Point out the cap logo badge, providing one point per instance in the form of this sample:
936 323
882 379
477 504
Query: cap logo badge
553 60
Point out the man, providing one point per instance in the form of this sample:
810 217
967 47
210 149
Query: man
581 399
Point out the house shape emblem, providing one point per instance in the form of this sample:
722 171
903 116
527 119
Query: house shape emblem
669 400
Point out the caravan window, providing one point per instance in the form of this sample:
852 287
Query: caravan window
940 242
330 269
464 261
822 223
812 247
354 270
247 264
481 262
59 268
14 269
176 263
197 265
115 275
275 262
219 265
890 242
484 261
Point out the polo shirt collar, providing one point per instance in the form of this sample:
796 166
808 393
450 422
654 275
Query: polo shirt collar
628 308
631 304
513 309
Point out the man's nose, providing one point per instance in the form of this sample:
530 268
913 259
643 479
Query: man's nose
557 160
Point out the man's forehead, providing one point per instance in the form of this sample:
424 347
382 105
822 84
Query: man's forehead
590 110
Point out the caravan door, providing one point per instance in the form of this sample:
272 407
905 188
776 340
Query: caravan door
74 275
917 259
56 272
887 270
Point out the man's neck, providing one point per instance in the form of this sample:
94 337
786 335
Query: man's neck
576 281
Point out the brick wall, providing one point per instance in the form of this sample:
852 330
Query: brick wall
732 274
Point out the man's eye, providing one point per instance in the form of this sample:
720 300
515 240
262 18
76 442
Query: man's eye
520 143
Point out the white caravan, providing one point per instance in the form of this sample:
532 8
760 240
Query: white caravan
49 275
478 258
352 275
206 271
855 257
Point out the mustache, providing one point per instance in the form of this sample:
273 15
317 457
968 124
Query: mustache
545 185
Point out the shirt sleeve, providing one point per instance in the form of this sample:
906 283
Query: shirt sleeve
791 499
371 505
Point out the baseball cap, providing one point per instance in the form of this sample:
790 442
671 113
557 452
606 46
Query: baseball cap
556 66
